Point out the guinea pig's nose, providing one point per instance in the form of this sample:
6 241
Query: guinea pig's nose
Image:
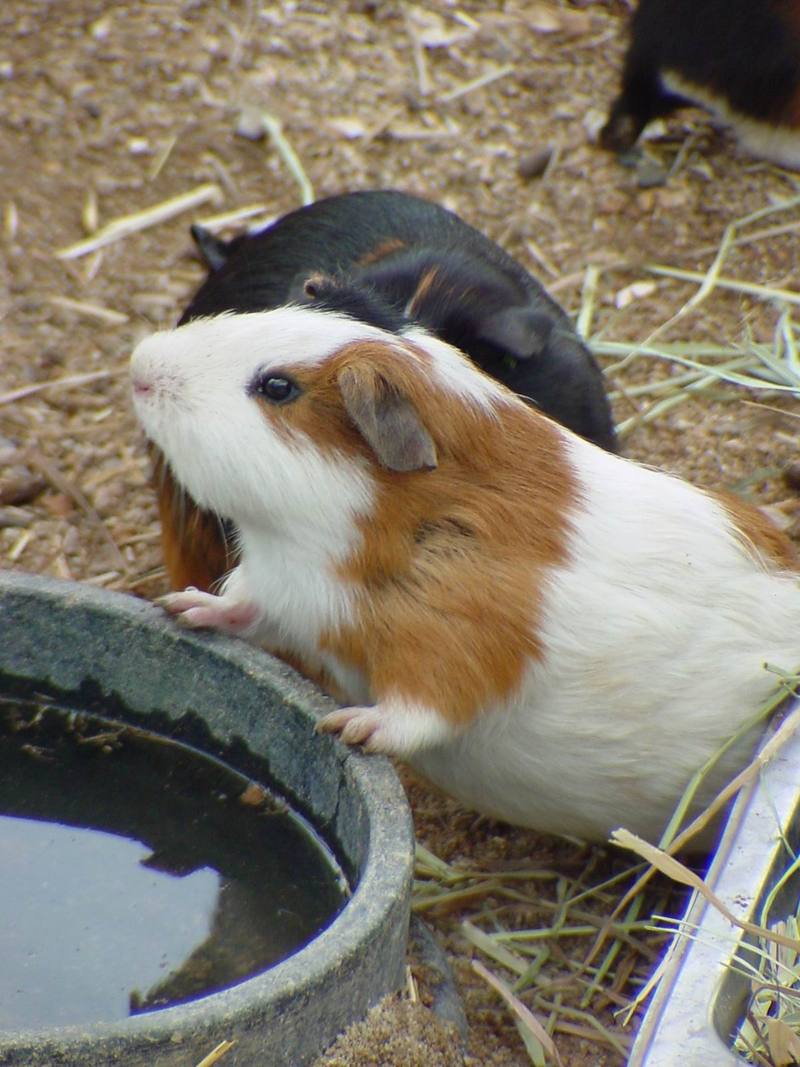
147 374
141 386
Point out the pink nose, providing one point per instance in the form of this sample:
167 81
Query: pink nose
142 387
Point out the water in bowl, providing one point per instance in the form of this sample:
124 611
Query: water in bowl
137 872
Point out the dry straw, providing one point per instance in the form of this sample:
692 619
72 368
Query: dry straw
125 225
773 367
570 912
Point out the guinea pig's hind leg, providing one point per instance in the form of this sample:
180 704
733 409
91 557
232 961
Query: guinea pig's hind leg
196 609
393 726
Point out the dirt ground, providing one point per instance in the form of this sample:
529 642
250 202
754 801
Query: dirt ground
111 108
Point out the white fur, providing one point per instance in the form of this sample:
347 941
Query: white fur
295 509
654 631
394 726
190 393
779 144
456 373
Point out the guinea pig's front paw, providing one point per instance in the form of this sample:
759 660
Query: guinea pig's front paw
196 609
391 727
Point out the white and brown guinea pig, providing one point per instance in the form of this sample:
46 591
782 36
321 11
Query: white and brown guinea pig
395 261
740 59
554 635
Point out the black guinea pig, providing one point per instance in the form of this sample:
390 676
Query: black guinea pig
739 59
420 264
393 261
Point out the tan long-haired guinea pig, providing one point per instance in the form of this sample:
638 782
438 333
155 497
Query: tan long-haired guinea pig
552 634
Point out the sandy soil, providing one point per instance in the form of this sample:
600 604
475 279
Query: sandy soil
110 108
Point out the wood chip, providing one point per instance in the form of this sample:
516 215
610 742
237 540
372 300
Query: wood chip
254 795
13 516
22 490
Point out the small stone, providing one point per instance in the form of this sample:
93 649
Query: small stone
250 124
630 157
535 164
593 121
22 490
138 146
101 28
635 291
650 173
348 126
58 504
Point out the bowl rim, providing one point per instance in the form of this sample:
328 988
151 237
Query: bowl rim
385 876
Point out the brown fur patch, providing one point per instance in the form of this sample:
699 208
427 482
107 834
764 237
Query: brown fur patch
759 532
192 540
453 561
425 283
317 414
380 251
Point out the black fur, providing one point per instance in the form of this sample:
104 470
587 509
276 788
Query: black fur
396 260
745 51
359 301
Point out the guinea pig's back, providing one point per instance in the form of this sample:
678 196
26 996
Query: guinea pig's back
747 55
738 59
257 271
655 628
340 235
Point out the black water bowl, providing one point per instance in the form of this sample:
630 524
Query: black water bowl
185 861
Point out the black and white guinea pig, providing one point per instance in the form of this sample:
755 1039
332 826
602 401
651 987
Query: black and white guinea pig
740 59
555 635
395 261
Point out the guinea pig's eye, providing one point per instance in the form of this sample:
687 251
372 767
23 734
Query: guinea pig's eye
276 388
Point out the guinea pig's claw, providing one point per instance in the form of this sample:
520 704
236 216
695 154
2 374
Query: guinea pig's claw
177 602
196 609
355 726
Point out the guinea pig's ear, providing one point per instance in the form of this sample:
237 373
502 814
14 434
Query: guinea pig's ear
387 420
213 249
519 331
305 287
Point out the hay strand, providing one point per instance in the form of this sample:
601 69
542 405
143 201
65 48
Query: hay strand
537 1040
91 311
216 1054
733 284
274 129
679 872
126 225
69 381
